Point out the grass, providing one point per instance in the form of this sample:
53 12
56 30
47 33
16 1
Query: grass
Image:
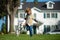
27 37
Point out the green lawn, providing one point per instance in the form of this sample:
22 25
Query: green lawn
27 37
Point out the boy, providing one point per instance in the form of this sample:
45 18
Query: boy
29 20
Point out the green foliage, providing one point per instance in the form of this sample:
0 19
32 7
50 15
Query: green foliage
3 6
23 32
24 1
13 4
9 7
36 2
4 28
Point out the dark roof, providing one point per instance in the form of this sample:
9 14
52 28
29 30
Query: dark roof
41 5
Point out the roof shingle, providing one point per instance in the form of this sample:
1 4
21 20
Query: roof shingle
41 5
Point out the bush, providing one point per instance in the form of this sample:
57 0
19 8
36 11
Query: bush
23 32
4 28
0 32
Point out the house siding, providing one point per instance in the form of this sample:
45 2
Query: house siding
40 17
46 21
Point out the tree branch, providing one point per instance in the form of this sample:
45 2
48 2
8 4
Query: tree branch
15 10
8 9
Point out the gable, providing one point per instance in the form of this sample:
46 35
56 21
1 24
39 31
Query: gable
50 5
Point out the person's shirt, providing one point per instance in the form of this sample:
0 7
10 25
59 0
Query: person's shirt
29 19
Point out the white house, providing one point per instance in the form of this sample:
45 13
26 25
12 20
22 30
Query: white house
50 17
48 13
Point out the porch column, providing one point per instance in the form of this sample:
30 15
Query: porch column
8 23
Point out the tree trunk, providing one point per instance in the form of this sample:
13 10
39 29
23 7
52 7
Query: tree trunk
11 15
11 23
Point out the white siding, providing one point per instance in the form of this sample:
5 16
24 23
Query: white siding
45 21
15 23
58 18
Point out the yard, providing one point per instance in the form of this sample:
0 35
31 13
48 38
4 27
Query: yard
27 37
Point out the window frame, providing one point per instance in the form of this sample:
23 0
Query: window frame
34 15
55 15
22 14
50 4
46 15
51 15
46 28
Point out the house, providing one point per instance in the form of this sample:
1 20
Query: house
48 13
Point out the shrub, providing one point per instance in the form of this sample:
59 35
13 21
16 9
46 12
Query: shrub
23 32
4 28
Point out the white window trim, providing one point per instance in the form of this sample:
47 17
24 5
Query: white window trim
50 7
50 14
22 14
46 14
54 14
47 3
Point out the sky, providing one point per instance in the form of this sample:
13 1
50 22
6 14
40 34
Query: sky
42 0
1 21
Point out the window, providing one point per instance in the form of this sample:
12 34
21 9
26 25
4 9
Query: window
44 15
54 15
53 27
46 28
48 15
35 15
22 15
57 27
50 4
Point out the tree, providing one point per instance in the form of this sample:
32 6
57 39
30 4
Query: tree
36 2
10 7
24 1
2 8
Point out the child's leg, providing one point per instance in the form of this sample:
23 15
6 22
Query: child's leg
27 27
30 29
